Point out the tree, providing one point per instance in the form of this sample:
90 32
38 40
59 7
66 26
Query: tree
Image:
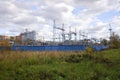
114 41
104 42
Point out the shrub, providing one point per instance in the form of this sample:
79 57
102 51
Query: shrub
89 50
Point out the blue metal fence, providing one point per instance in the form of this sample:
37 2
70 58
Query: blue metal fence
98 48
56 48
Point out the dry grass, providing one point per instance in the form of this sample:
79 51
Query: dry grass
15 55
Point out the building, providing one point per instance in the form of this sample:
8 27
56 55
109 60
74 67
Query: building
2 37
9 39
29 35
18 40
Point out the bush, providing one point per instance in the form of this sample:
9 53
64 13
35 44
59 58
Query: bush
73 58
89 50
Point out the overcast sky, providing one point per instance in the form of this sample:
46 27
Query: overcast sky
90 16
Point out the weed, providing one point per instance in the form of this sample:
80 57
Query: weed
56 65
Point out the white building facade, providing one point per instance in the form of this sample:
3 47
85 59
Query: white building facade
29 35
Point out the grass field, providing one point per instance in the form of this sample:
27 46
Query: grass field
17 65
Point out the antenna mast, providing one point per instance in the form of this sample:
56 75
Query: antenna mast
110 29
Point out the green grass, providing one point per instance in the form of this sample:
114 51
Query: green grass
104 65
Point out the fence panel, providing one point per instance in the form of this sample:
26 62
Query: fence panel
56 48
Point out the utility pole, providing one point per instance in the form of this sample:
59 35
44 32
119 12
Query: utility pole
54 25
80 35
63 34
69 33
75 35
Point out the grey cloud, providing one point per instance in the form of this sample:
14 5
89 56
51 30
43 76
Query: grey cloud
5 8
24 13
25 20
